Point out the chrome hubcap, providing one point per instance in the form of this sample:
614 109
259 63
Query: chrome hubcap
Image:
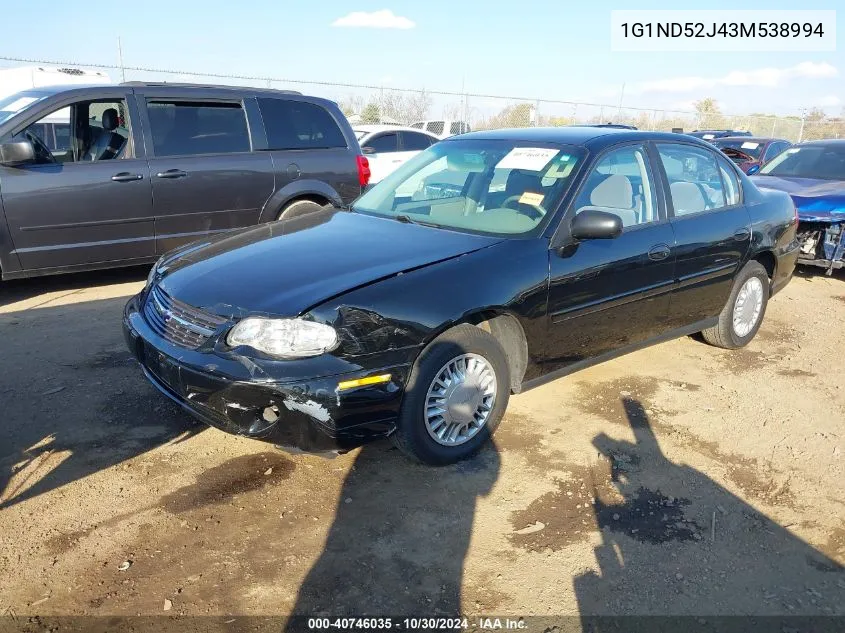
460 399
748 305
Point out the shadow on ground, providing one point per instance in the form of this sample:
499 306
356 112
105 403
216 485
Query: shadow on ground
399 539
73 400
673 541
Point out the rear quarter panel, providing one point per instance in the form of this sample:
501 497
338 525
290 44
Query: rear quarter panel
331 174
773 229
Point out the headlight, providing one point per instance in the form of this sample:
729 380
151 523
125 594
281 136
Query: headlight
284 338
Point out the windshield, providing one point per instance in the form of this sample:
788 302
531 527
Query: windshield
486 186
752 149
10 106
826 162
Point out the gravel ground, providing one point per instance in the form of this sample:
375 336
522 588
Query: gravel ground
682 479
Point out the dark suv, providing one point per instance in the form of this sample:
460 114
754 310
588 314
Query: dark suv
147 167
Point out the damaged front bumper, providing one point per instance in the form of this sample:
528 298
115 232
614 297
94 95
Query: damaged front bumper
295 404
822 244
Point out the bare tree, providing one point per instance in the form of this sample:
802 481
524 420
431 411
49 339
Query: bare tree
406 107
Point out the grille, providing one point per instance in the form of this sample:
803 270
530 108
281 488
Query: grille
178 322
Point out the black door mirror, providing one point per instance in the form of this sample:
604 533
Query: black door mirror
593 224
17 152
753 170
368 150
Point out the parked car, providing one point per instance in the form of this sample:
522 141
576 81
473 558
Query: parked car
415 316
751 152
709 135
387 147
443 129
814 175
149 167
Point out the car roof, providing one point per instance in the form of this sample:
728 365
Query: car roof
62 88
751 139
593 137
838 142
371 129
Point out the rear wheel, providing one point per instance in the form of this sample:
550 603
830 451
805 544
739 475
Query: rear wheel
743 313
298 208
456 396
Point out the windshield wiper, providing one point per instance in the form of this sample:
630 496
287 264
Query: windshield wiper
408 220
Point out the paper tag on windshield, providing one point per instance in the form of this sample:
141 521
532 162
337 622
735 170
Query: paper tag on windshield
750 145
534 199
530 158
708 136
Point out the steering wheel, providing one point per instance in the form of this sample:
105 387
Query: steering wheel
42 152
516 199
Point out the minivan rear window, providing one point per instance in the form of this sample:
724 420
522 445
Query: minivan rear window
299 125
190 128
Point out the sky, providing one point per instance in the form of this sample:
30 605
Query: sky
552 50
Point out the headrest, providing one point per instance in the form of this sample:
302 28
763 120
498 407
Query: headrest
111 120
615 192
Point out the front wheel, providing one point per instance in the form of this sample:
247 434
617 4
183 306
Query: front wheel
743 313
456 396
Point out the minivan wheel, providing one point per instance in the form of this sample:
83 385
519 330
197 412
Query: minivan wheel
298 208
743 313
456 396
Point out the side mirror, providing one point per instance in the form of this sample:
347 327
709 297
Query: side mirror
368 150
593 224
752 170
17 152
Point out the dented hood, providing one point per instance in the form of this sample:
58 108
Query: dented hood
284 268
817 200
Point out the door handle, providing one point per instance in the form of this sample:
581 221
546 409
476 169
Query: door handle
172 173
740 235
125 176
659 252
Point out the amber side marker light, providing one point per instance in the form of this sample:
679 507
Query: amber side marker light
363 382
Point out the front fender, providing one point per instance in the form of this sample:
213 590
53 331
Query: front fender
297 189
408 310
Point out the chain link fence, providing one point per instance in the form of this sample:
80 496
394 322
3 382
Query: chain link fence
371 104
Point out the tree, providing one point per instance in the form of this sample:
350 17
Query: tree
706 106
518 115
350 105
371 113
406 107
709 114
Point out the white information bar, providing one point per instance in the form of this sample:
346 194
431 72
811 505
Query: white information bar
720 31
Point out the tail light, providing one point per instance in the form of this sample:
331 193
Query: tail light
363 170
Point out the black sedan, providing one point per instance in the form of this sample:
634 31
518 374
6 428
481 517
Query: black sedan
487 265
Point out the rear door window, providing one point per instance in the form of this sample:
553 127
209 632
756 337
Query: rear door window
413 141
695 179
382 143
299 125
182 128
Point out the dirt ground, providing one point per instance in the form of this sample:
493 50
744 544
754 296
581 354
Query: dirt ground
681 479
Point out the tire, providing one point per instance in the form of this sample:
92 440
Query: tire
482 355
724 334
298 208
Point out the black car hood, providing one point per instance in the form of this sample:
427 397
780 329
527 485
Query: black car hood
284 268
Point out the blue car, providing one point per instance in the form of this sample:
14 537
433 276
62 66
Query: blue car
814 175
